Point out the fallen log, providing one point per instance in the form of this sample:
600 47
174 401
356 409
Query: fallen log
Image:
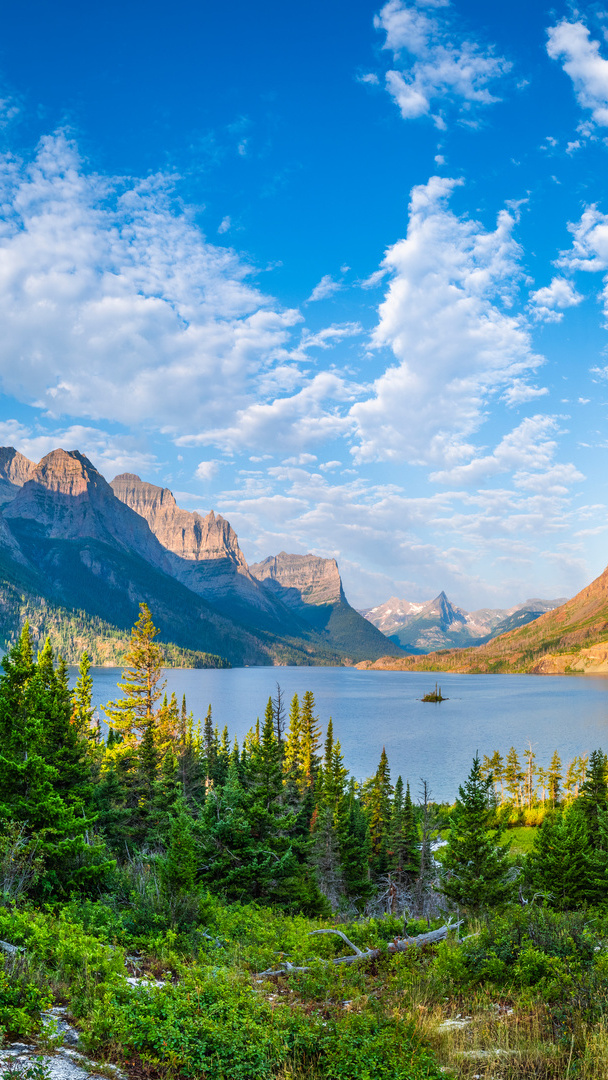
396 946
11 949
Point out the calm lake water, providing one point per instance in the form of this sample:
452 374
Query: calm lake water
372 709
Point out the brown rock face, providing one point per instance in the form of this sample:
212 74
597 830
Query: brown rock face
186 534
15 470
70 499
317 580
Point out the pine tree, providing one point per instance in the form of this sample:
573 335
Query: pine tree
293 746
559 864
377 798
513 777
530 773
310 740
355 850
404 841
594 794
141 681
554 778
476 869
44 774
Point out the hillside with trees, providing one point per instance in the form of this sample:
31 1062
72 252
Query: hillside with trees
199 908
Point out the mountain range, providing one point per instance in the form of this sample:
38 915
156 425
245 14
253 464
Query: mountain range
74 548
420 628
570 638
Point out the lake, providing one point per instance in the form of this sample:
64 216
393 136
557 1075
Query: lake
372 709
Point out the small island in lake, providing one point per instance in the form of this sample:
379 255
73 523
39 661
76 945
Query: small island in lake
435 695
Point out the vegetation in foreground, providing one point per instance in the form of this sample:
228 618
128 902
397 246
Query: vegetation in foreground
194 868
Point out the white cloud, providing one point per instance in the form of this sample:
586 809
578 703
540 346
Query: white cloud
548 304
325 338
325 287
528 452
113 305
224 225
443 318
589 250
110 453
519 392
310 416
433 61
571 44
207 470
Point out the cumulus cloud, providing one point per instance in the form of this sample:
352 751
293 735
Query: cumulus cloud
445 321
571 44
434 62
451 539
589 250
311 415
548 304
113 304
528 452
109 452
207 470
324 288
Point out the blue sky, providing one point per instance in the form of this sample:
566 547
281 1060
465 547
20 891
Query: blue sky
338 272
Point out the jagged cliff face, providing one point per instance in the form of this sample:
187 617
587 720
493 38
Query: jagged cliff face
316 580
203 552
185 534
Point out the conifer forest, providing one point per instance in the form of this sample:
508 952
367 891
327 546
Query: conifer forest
203 909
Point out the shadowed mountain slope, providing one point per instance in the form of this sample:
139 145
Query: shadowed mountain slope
68 541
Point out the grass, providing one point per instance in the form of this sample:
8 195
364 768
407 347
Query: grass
522 839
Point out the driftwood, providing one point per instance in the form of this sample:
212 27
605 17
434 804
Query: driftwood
396 946
6 947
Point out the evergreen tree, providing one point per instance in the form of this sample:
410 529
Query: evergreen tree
355 850
559 864
141 681
44 775
513 775
377 798
404 841
594 794
476 870
554 778
310 740
293 747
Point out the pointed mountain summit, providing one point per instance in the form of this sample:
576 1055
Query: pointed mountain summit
67 498
439 624
570 637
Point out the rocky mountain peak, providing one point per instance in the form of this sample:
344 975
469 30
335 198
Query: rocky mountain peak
15 467
316 579
15 471
186 534
68 472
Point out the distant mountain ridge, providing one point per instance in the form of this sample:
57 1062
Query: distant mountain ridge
69 540
569 638
421 628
